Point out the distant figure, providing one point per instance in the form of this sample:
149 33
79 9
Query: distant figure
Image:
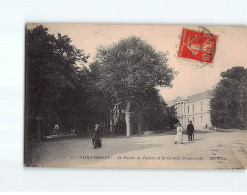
97 142
56 128
179 136
190 131
72 130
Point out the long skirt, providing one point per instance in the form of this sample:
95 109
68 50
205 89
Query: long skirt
179 138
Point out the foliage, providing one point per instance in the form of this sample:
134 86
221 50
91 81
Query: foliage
228 106
61 90
129 70
56 88
131 66
156 115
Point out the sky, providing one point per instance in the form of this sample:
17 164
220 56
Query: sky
231 50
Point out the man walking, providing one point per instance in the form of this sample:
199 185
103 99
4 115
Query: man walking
190 131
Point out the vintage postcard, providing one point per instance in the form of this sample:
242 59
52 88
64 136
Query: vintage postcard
135 96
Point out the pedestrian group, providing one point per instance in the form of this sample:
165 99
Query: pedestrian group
97 142
179 135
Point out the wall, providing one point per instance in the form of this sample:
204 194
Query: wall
200 115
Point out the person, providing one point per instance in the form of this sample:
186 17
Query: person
179 136
56 129
97 142
190 131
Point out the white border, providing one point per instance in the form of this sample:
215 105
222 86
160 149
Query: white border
14 15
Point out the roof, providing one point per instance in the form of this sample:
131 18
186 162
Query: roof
205 94
180 98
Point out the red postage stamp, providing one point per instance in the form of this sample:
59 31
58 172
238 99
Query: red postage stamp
196 45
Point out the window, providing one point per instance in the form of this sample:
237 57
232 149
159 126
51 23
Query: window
193 108
201 118
201 106
188 109
188 120
193 119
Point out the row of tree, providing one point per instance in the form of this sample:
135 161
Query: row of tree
60 89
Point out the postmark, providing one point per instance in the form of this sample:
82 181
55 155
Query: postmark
198 45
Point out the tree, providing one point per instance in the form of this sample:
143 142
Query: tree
150 110
156 113
171 117
130 68
228 106
99 104
55 86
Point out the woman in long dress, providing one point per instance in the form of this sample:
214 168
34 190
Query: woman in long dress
179 136
97 142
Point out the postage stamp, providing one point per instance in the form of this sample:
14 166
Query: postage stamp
198 45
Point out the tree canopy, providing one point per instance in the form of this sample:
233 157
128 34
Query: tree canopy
129 69
60 89
56 87
229 103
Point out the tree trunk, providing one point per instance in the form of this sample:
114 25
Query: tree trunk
139 123
127 119
107 123
111 122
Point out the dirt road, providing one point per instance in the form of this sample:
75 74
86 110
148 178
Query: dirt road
209 150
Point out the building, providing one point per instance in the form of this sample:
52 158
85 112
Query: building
195 108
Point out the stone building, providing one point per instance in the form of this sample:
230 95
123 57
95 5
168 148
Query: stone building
195 108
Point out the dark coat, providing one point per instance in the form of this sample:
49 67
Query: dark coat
97 142
96 134
190 129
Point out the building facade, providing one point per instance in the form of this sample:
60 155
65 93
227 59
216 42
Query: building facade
195 108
